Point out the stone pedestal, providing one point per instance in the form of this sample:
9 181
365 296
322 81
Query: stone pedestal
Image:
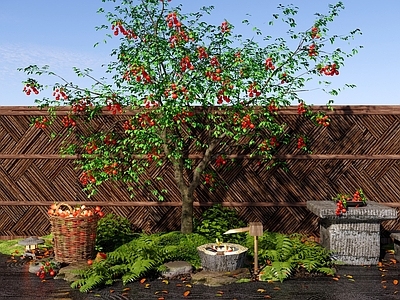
354 237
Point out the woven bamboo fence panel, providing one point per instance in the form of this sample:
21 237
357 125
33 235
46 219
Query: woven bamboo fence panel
361 148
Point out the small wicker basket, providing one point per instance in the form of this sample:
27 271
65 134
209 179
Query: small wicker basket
74 237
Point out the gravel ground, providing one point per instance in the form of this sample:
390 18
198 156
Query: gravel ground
352 282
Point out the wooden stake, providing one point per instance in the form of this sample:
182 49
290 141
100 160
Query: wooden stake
255 255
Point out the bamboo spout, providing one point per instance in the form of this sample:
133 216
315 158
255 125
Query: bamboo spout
255 229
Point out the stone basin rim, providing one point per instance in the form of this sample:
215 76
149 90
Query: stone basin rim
240 249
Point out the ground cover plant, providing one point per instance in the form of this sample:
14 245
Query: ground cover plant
194 95
143 256
283 255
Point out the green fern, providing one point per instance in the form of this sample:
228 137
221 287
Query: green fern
277 271
86 285
309 265
138 269
140 257
285 246
285 254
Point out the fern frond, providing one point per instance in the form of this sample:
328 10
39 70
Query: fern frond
138 269
308 264
277 271
118 269
326 270
92 282
285 246
129 277
272 255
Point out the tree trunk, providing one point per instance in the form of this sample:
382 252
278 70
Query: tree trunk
187 211
187 191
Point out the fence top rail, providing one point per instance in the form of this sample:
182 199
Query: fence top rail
337 110
233 156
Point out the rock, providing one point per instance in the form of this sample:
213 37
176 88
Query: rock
34 265
69 273
176 268
214 278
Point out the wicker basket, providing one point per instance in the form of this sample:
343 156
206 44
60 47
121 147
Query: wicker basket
74 237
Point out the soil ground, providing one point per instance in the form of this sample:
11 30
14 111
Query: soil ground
351 282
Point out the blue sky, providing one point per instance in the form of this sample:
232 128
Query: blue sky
61 33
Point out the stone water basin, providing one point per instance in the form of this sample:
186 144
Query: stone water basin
223 257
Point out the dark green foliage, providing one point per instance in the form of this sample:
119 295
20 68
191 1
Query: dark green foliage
112 232
217 220
282 255
142 256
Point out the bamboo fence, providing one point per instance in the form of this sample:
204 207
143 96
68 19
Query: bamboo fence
361 149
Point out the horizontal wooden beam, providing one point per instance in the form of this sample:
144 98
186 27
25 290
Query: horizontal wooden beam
166 204
153 204
339 157
37 156
199 156
290 110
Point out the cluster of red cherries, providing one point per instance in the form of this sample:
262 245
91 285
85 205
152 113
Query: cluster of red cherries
60 93
30 88
209 179
341 201
186 64
41 123
301 143
225 27
118 28
220 161
202 52
272 107
47 267
329 70
68 121
340 208
268 64
246 122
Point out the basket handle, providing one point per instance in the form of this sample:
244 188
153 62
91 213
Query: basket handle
64 204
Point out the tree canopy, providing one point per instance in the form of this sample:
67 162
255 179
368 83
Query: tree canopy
193 86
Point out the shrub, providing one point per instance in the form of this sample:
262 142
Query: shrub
217 220
112 232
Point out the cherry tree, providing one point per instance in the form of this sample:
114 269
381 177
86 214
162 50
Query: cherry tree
194 88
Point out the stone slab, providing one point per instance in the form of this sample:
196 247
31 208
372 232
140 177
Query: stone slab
69 272
176 268
373 211
213 278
